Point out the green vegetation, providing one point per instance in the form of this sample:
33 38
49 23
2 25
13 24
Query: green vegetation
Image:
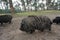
41 12
38 12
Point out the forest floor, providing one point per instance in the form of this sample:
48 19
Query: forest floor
12 32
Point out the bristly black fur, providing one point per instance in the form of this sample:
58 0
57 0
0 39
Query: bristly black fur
5 19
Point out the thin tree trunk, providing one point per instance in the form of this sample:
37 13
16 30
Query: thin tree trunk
23 3
35 5
11 7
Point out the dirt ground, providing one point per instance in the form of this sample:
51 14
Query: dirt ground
12 32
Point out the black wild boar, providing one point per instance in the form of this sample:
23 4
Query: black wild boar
56 20
5 19
32 23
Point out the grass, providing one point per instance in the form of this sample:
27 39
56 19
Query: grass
38 12
44 12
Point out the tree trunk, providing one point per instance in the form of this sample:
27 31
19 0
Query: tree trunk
35 5
23 4
11 7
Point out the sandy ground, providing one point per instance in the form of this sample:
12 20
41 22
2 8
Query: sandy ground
12 32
